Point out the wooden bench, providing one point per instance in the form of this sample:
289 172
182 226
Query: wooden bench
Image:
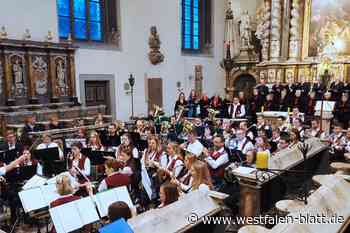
331 199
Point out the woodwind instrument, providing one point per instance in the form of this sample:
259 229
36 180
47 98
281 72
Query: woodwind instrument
182 109
158 110
212 113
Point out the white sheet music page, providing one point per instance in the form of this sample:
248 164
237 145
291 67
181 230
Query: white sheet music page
49 193
123 195
32 199
244 170
56 220
34 182
69 217
104 199
87 210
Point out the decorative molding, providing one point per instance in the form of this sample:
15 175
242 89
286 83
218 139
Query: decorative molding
40 75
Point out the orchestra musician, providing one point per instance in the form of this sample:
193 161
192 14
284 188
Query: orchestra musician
294 137
168 193
55 123
11 143
315 130
236 109
204 104
270 103
175 161
30 126
297 124
193 144
192 104
181 101
217 161
283 143
94 142
200 178
336 140
120 172
99 120
78 160
262 88
342 110
111 138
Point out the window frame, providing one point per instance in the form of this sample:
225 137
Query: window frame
105 32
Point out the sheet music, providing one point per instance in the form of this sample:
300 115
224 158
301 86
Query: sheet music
244 170
87 210
49 193
56 220
122 194
104 199
69 217
328 106
34 182
32 199
146 182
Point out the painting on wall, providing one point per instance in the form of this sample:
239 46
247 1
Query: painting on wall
329 27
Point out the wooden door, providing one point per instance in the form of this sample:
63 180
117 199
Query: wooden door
97 93
155 92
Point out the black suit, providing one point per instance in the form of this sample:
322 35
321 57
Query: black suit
26 138
10 155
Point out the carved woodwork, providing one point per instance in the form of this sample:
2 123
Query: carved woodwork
36 72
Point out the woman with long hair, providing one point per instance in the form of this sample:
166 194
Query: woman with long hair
201 179
95 142
168 194
192 104
181 101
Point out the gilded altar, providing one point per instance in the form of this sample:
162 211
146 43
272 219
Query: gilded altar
318 38
36 72
297 41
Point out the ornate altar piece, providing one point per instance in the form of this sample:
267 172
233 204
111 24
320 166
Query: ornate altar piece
36 72
318 38
298 40
241 59
155 56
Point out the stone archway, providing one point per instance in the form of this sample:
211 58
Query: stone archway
243 81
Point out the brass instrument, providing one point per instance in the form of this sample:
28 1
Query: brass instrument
158 110
188 126
181 111
212 113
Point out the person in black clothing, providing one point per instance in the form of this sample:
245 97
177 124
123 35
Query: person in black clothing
55 123
225 106
319 89
262 88
310 106
242 98
192 104
204 105
30 126
298 101
111 138
284 101
255 104
277 90
342 110
181 101
337 88
270 103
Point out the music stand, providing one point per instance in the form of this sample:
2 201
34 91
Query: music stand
20 174
98 157
8 156
50 159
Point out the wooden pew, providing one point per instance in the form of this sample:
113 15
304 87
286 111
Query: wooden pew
174 217
257 197
332 198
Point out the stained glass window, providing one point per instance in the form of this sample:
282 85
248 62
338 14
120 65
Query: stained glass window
190 25
80 18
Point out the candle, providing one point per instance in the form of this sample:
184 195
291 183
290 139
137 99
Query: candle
262 159
288 110
262 108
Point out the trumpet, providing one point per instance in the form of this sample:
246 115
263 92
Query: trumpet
212 113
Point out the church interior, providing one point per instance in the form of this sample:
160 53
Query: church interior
175 116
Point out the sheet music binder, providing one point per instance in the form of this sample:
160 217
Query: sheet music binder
74 215
50 159
22 173
120 226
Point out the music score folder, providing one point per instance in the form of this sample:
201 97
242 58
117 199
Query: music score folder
75 215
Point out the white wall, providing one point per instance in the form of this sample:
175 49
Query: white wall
137 16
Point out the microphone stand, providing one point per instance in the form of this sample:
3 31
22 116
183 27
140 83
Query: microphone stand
90 194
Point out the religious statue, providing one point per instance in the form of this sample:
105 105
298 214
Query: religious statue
40 73
3 33
245 30
114 36
155 56
17 71
61 78
231 32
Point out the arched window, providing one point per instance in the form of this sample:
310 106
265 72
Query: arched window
87 20
196 25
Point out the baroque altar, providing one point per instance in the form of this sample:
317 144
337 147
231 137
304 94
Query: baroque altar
299 39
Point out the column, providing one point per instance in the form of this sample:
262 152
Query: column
52 79
265 37
294 39
31 80
71 77
276 28
10 99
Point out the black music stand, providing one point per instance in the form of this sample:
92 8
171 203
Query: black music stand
50 159
21 174
98 157
8 156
